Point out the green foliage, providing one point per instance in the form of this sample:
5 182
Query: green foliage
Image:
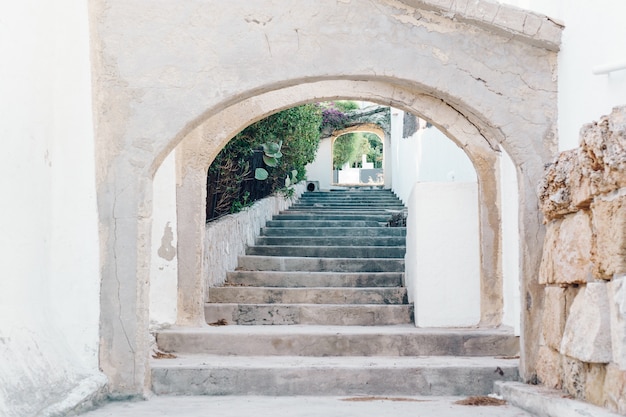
350 147
288 140
346 105
375 153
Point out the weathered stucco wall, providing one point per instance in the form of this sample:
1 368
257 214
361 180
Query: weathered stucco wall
591 38
583 270
164 259
217 66
49 290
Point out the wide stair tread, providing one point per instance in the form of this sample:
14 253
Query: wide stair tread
318 307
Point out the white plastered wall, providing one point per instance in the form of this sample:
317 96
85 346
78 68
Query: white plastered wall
164 260
594 36
510 243
437 182
443 230
321 168
49 293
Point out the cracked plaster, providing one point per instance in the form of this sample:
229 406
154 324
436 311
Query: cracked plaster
180 75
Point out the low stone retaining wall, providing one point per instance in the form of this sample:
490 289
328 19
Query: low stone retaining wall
583 269
228 237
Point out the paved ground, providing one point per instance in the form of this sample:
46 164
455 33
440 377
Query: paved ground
301 407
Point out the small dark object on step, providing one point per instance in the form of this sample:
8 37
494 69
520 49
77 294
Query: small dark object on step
163 355
481 400
398 219
220 322
499 370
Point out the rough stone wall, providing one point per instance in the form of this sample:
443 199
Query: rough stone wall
583 269
227 238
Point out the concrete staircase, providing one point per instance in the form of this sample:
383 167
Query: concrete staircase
318 307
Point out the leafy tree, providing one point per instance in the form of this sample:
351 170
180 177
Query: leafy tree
350 148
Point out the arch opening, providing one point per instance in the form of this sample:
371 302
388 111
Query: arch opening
193 158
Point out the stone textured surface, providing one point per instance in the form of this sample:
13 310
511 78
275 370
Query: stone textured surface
567 250
227 238
573 374
554 189
597 167
572 256
288 375
547 270
323 406
615 389
617 305
549 367
603 152
587 334
554 315
545 402
594 383
609 226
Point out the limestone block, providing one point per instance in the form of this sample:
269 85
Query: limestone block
579 181
549 367
615 389
603 152
617 305
554 189
553 319
609 227
573 374
550 242
572 257
587 334
594 383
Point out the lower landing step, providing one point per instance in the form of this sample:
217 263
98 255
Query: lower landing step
329 314
281 376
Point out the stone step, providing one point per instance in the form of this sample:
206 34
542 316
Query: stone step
319 341
350 201
331 241
333 216
287 375
324 223
286 263
355 195
329 252
314 279
310 314
342 209
333 231
318 295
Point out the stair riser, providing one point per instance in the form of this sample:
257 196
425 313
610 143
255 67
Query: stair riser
381 218
333 344
324 223
351 201
341 210
297 279
333 241
329 252
254 295
309 314
335 231
327 381
272 263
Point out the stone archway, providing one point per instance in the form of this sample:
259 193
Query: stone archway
365 128
484 72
